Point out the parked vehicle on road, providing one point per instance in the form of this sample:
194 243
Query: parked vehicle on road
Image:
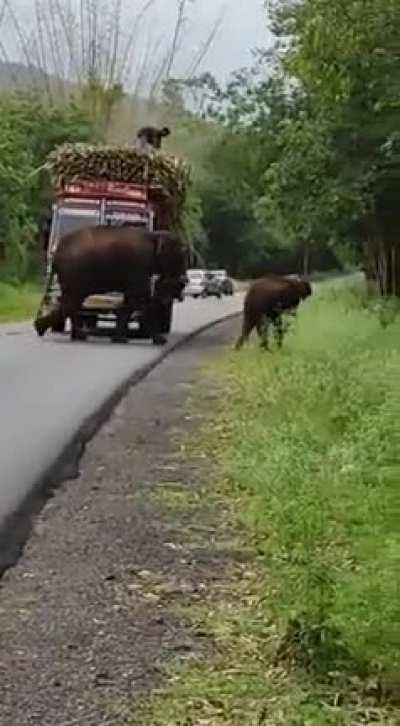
227 287
97 186
212 286
208 283
196 283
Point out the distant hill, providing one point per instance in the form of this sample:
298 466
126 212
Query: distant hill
21 77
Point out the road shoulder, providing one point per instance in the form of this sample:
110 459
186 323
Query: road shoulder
90 615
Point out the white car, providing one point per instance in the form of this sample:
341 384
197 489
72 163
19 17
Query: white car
220 275
196 284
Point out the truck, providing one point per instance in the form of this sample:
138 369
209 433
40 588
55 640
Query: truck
97 185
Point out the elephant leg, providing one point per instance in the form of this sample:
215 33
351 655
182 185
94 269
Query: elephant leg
155 322
263 331
70 308
279 332
247 328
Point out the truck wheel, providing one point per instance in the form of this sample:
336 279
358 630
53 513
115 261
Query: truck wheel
143 333
91 322
77 332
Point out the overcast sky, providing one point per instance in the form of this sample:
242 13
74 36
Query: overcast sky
243 29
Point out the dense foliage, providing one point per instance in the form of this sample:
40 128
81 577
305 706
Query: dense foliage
296 160
28 131
346 61
309 158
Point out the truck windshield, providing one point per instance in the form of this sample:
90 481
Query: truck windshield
70 221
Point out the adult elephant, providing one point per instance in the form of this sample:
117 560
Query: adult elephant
107 259
265 302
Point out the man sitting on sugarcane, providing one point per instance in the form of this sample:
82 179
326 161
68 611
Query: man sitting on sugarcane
149 137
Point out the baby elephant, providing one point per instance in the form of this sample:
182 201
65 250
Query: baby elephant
265 302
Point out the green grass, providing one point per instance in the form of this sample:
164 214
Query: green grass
315 446
308 444
18 302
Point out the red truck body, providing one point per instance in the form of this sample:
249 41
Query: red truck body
82 204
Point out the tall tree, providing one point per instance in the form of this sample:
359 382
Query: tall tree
344 57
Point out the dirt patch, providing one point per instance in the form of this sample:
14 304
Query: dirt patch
90 615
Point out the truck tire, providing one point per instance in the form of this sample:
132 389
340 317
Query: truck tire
77 330
91 322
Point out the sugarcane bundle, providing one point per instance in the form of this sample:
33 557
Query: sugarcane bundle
76 162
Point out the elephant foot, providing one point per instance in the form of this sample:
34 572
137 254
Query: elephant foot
159 340
40 327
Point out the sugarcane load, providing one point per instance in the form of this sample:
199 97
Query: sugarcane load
115 252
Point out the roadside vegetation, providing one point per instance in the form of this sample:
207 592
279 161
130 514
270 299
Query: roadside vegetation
307 170
104 96
306 442
296 159
296 168
18 302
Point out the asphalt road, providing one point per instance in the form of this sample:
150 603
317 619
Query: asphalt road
50 387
